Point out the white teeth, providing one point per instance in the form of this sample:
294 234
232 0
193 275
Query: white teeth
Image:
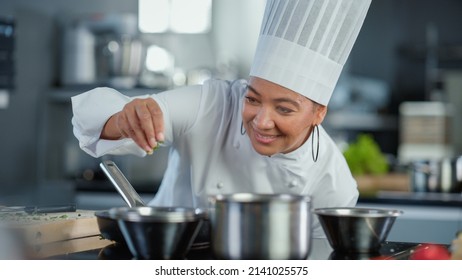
266 137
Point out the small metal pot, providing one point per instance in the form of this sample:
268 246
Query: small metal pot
437 175
261 226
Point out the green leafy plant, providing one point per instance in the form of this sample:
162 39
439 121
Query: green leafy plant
365 157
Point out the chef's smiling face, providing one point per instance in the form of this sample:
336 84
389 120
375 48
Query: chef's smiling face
278 120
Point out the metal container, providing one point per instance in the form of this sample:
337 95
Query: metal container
158 232
442 176
356 230
261 226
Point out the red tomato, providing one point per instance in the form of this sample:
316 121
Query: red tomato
430 252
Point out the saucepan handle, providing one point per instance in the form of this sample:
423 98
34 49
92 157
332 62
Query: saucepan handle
121 183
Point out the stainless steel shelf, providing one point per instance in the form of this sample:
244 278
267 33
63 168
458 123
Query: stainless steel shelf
359 121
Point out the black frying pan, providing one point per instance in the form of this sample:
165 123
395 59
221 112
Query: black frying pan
108 226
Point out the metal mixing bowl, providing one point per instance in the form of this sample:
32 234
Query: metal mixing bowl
356 230
158 232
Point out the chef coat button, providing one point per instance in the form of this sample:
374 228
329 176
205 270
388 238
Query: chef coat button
237 145
293 184
220 185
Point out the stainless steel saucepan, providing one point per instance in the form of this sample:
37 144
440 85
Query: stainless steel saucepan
441 176
261 226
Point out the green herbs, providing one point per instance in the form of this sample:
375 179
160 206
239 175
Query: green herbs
365 157
22 217
156 147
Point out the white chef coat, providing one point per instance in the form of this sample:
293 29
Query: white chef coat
209 155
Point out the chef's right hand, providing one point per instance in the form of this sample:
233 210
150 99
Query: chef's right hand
140 120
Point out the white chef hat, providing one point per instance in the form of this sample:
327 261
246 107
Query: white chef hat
303 44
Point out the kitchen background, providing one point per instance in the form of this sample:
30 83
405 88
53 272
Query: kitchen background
402 83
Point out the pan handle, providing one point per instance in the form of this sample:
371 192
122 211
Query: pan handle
121 183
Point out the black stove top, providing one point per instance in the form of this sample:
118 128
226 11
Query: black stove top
389 250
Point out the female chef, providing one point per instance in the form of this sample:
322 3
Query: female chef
263 135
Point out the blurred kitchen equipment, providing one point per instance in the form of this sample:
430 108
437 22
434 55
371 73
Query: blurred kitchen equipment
102 49
443 176
78 56
119 59
7 59
452 85
356 230
7 53
425 131
360 94
158 232
261 226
